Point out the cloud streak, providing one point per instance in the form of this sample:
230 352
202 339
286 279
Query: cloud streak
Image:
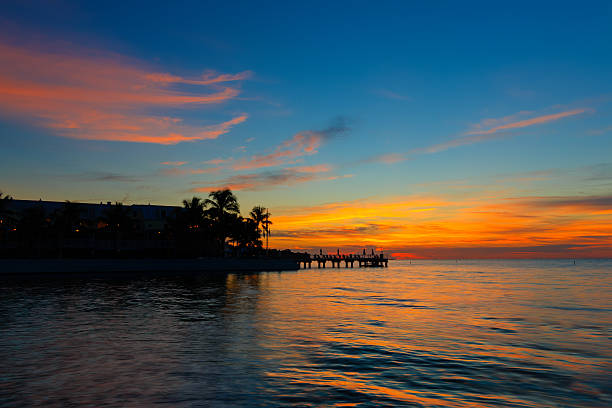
528 122
105 176
290 151
90 95
385 93
179 171
301 144
496 128
271 179
174 163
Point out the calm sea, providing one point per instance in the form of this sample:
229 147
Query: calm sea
430 333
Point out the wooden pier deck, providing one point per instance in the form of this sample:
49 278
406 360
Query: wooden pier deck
348 260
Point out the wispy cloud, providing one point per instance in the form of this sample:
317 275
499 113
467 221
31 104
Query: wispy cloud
271 179
528 122
593 204
87 94
600 131
208 78
390 158
174 163
218 161
385 93
487 129
318 168
106 176
180 171
304 143
289 152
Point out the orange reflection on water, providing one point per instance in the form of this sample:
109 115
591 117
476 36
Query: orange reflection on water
388 333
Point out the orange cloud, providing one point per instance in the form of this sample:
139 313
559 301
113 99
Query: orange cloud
391 158
304 143
301 144
218 161
208 78
161 134
176 171
527 122
319 168
106 97
174 163
454 227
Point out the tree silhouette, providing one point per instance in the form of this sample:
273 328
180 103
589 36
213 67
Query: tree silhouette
222 209
68 217
5 197
6 215
243 233
66 220
261 216
258 215
201 228
221 203
119 220
266 227
194 212
192 228
33 227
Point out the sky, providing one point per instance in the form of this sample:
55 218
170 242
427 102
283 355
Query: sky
425 130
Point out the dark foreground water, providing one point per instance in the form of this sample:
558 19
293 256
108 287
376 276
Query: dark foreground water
476 333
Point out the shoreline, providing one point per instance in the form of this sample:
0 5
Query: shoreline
20 267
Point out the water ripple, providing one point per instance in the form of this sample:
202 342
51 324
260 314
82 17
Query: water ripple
437 334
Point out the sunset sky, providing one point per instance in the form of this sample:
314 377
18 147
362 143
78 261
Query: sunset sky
427 130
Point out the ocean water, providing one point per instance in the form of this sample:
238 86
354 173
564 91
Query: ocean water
430 333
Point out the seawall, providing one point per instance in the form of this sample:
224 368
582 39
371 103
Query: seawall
111 266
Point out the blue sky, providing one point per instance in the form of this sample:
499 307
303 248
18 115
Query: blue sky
420 99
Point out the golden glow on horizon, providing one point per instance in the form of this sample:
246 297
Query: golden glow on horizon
435 226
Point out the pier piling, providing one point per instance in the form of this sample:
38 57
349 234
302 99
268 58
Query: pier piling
363 261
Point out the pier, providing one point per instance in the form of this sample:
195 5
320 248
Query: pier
363 261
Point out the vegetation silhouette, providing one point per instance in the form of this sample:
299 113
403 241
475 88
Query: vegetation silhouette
118 219
7 217
224 211
64 221
261 216
210 227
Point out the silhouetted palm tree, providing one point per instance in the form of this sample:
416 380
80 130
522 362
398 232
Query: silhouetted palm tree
266 227
66 220
222 202
192 228
119 219
258 215
33 227
5 213
5 196
69 217
222 209
243 232
194 212
7 217
261 216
